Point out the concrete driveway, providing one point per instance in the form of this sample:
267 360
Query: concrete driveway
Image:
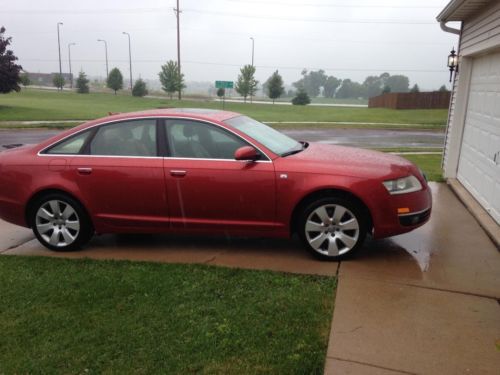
426 302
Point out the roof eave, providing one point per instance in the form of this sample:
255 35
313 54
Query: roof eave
448 10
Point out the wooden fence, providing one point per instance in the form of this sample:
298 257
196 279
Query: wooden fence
411 100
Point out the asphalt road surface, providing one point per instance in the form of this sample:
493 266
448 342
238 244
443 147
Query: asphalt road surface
368 138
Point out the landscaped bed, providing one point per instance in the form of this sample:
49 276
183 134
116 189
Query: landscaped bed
85 316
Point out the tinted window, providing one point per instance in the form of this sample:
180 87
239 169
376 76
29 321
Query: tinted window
72 145
129 138
191 139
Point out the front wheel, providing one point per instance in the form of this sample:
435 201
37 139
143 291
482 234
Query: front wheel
60 223
333 228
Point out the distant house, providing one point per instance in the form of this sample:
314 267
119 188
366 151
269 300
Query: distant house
472 149
45 79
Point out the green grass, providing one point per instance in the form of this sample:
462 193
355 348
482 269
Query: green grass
85 316
34 104
430 164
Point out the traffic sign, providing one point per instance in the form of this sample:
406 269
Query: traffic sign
224 84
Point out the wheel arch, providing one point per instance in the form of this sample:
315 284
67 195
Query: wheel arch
326 193
39 194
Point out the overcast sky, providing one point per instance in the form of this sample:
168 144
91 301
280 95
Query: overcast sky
346 38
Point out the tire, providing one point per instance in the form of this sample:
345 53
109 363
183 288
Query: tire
333 228
60 222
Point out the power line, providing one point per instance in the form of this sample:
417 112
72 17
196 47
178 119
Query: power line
325 20
321 5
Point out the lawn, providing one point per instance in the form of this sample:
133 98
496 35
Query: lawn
430 164
85 316
31 104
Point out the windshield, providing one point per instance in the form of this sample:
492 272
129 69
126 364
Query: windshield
274 140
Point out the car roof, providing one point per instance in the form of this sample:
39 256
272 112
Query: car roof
198 113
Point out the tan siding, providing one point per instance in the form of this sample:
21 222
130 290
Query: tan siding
481 28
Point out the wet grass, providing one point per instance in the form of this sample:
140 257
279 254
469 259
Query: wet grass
430 164
32 104
86 316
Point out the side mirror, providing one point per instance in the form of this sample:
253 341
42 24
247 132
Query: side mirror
246 153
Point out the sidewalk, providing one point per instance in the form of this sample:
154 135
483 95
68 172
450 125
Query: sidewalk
429 314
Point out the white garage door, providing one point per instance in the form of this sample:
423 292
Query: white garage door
479 164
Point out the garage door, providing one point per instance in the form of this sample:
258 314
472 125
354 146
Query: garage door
479 163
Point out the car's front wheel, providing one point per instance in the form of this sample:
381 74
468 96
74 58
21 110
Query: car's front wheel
333 228
60 223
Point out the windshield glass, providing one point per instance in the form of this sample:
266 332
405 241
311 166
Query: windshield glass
275 141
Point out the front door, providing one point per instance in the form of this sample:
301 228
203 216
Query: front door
210 190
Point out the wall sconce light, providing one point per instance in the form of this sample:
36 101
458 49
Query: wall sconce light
453 62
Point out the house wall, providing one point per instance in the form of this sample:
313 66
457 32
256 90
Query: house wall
480 34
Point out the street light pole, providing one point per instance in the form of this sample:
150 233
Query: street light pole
177 12
253 45
59 48
69 61
129 58
106 55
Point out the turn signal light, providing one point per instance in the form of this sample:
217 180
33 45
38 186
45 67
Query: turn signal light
403 210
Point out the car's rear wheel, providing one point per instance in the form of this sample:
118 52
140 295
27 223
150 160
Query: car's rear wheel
333 228
60 223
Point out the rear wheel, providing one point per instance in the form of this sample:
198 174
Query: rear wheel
60 223
333 228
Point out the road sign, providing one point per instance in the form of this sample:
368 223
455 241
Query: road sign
224 84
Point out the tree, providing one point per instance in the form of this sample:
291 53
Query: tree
246 85
373 85
398 83
25 79
58 81
274 86
9 70
311 82
302 98
386 89
351 89
415 88
82 83
330 86
170 79
139 88
443 89
115 80
221 92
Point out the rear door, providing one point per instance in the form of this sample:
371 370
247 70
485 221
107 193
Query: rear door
208 188
121 176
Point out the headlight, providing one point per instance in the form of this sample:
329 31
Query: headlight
403 185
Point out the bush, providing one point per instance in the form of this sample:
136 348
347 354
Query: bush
139 88
301 98
221 92
82 83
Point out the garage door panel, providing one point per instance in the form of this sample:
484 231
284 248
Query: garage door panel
477 170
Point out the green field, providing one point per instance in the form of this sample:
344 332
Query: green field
92 317
31 104
430 164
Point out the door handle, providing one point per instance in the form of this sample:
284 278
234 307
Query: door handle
177 173
84 171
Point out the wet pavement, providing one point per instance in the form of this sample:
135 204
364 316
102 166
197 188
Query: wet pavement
422 302
368 138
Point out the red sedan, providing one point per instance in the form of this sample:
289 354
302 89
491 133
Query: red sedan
207 172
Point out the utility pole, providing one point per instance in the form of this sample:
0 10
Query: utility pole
177 11
69 61
129 59
59 48
106 55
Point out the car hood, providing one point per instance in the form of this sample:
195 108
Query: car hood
347 161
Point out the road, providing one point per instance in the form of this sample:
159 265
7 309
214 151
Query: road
368 138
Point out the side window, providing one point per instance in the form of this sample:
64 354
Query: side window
70 146
192 139
128 138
